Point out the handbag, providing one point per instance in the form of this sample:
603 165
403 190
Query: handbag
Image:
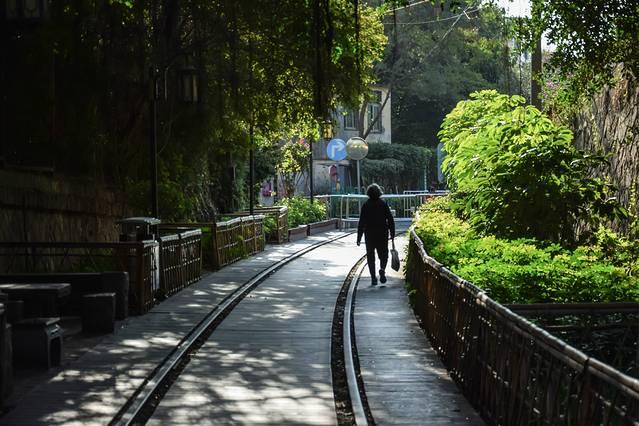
394 258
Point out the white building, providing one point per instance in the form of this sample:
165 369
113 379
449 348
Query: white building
372 120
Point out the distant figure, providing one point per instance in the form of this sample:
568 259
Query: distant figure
376 222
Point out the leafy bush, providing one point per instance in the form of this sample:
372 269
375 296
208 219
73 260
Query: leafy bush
302 212
516 174
270 228
525 270
395 167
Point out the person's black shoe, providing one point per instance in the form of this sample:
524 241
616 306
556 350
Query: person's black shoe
382 276
373 281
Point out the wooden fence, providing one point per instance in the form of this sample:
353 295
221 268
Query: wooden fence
238 238
278 214
180 258
138 258
229 241
156 269
511 370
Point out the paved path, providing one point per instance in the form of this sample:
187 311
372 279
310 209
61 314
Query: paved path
269 361
404 379
94 388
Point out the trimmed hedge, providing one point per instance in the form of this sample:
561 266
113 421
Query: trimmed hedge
526 270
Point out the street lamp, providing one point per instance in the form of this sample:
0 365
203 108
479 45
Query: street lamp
188 92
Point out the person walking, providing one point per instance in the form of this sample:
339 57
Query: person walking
376 223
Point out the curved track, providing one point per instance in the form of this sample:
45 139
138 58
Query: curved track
141 405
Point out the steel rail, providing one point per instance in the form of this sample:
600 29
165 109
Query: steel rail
130 412
351 367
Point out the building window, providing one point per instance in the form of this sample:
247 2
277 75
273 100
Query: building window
374 108
350 120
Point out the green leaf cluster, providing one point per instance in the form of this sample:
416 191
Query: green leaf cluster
590 38
515 173
525 270
301 211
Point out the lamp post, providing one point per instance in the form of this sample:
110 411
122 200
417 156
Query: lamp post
188 92
326 132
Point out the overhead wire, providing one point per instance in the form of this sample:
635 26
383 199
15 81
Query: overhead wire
434 21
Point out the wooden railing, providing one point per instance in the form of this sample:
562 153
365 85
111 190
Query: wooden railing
511 370
180 258
139 259
238 238
278 214
229 241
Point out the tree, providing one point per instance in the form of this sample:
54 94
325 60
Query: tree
395 167
293 161
264 68
437 54
591 38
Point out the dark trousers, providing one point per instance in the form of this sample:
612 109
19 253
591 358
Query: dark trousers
381 246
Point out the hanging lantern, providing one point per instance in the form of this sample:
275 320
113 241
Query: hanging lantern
188 83
326 127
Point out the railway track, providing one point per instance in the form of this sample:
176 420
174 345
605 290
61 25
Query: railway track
350 401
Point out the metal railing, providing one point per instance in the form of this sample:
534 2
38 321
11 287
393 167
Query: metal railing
511 370
180 258
348 206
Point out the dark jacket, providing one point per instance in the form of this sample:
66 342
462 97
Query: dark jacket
375 221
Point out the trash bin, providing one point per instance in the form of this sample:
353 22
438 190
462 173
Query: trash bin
143 229
138 228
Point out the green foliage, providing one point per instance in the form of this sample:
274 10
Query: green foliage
525 270
395 167
293 159
516 174
270 228
89 90
301 211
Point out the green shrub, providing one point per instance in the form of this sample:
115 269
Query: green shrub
516 174
395 167
526 270
270 228
302 212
